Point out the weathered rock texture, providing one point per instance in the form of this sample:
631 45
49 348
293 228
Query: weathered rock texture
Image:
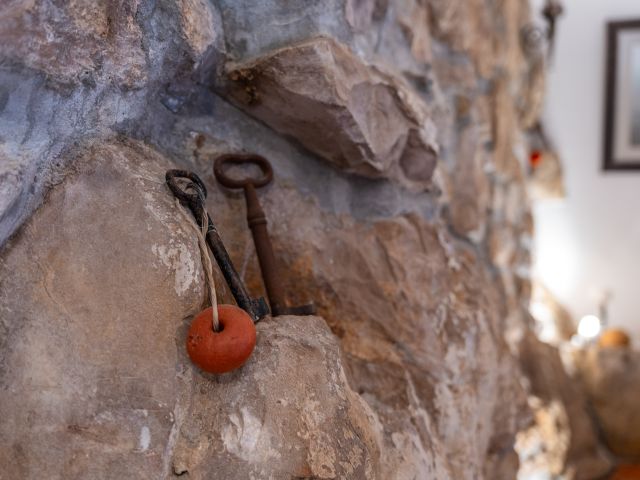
95 288
269 421
399 207
564 440
351 114
611 379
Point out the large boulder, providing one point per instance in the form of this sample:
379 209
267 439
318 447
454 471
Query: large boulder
95 380
93 297
355 116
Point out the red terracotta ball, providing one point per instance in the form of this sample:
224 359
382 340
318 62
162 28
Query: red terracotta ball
226 350
535 158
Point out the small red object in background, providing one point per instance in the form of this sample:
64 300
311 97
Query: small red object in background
626 472
226 350
535 158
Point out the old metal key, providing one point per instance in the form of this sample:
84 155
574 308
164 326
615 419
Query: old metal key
258 225
551 11
256 308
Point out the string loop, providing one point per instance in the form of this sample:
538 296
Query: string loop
201 233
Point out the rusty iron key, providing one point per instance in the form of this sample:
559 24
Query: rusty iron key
258 224
551 11
256 308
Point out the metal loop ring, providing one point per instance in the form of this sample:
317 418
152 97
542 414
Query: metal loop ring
196 183
238 159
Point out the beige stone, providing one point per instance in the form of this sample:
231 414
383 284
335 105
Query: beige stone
289 413
611 379
97 383
398 293
563 439
92 300
197 22
357 117
533 92
489 34
413 17
77 42
469 190
118 389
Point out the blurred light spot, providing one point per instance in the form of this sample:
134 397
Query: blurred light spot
589 326
546 328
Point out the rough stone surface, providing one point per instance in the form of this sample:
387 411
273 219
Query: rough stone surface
73 43
354 116
92 299
399 206
564 440
405 410
269 421
611 379
97 361
396 328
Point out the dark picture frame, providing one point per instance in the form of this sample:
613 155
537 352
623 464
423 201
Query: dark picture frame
622 96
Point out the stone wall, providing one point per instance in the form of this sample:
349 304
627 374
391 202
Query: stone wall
398 206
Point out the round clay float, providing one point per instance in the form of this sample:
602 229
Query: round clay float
614 338
226 350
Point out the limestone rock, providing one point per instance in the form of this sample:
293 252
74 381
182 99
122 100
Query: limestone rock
198 22
289 413
129 399
92 300
76 41
397 292
533 90
611 378
93 333
543 447
488 34
563 439
414 20
359 118
553 322
468 188
504 136
359 13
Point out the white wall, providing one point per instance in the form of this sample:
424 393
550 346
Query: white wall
589 241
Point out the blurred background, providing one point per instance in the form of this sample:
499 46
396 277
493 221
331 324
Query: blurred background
585 179
587 243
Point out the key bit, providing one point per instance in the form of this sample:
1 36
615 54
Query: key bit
258 224
256 308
